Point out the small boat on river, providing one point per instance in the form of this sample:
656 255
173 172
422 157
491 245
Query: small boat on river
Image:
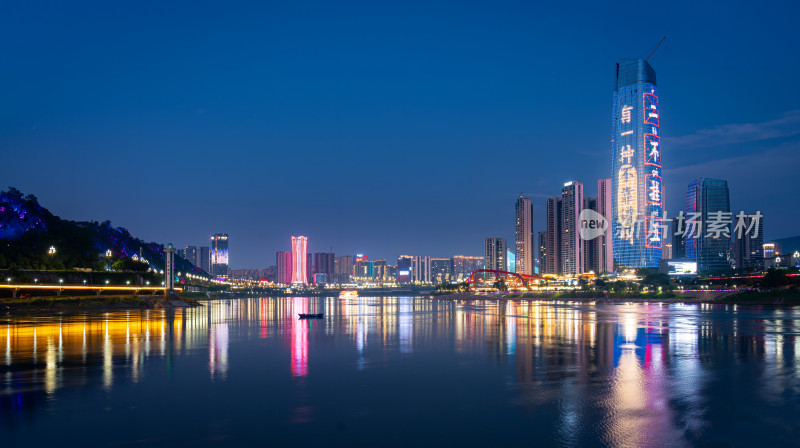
310 316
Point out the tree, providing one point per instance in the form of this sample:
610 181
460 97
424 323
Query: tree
774 277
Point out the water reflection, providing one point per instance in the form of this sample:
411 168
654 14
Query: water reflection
626 375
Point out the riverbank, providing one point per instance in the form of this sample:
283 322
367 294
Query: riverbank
712 297
97 303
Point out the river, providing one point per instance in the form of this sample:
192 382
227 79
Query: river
404 372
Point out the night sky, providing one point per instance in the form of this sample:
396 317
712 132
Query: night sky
376 127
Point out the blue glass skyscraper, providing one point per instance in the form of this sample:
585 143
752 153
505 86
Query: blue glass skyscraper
637 202
708 202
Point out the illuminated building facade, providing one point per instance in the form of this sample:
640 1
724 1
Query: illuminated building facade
441 269
404 268
542 260
325 263
463 265
299 260
190 253
553 236
523 236
219 254
495 254
283 267
772 250
343 269
572 245
636 181
605 252
421 269
707 199
591 257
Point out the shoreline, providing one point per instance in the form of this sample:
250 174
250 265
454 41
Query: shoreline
710 297
69 304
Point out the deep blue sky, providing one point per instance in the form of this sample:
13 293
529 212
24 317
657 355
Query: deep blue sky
378 127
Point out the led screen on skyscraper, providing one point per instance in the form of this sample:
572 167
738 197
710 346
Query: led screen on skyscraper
637 202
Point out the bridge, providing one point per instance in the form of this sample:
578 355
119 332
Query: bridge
16 288
512 280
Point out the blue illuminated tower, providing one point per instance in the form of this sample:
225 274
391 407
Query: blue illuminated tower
636 183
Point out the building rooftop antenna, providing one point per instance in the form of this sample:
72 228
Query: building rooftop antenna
654 49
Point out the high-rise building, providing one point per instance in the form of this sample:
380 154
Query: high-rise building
636 182
666 253
495 254
283 267
204 259
309 267
219 254
708 201
463 265
605 253
421 269
190 254
748 247
299 260
343 268
772 250
553 239
441 269
511 261
678 242
542 251
523 236
572 256
404 268
324 263
591 254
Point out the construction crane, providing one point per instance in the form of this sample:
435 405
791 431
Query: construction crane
654 49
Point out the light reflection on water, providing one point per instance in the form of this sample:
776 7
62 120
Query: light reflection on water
454 372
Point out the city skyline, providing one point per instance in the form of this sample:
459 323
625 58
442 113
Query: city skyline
371 122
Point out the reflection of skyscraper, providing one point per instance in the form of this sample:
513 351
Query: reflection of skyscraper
523 236
636 182
299 260
283 268
572 261
219 254
709 201
495 254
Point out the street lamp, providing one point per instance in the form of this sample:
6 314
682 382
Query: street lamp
128 282
51 250
8 279
84 283
106 282
35 281
61 281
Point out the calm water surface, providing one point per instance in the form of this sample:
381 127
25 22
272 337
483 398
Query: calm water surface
404 372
